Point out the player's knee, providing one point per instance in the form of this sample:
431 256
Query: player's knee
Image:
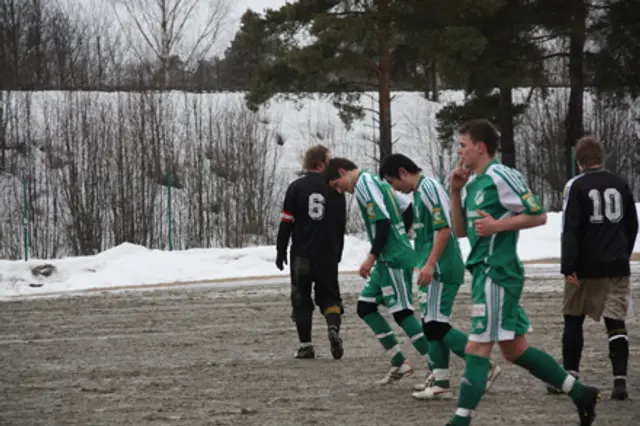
366 308
402 315
435 331
332 310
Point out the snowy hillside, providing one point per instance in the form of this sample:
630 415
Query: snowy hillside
97 163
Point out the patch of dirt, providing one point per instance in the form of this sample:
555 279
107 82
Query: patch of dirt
224 357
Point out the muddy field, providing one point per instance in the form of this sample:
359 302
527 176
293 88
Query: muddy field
207 356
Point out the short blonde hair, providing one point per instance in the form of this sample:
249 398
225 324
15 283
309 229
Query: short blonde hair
315 157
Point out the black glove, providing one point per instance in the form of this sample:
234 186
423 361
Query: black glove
281 260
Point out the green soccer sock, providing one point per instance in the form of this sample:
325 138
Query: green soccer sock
472 387
386 336
439 354
456 341
546 368
413 329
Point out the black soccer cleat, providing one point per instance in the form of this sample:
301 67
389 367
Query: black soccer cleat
620 390
337 351
305 352
587 405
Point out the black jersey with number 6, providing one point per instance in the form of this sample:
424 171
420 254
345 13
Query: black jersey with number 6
314 214
600 225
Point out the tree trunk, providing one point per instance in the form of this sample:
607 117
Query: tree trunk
384 87
433 74
505 121
574 123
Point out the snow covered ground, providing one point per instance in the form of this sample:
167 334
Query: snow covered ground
129 265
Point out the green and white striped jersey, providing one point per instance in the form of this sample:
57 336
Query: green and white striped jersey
502 192
432 212
377 201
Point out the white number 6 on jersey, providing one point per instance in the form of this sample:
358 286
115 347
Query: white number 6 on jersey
316 206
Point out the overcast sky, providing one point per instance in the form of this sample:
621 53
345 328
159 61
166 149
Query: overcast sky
97 8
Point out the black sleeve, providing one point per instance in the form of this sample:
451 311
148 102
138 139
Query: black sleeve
570 229
631 220
287 218
342 223
382 232
407 217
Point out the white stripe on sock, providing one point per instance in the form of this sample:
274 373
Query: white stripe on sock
383 335
618 336
441 374
393 351
568 383
417 336
463 412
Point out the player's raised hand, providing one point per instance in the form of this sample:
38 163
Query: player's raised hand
486 226
459 177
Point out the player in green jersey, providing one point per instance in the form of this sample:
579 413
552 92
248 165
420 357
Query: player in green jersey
490 203
441 270
389 265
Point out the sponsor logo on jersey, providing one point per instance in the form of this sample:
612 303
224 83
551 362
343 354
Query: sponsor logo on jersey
438 218
479 197
531 201
371 211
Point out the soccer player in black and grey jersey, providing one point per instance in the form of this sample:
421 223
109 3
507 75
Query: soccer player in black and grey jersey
314 217
599 230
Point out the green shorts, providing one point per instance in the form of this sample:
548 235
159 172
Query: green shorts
390 287
496 315
436 301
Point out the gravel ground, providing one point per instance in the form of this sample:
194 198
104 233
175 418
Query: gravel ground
211 356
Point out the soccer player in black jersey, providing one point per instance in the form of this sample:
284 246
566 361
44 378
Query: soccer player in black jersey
599 230
314 217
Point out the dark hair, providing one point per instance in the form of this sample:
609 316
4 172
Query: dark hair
481 130
392 163
589 151
315 156
331 170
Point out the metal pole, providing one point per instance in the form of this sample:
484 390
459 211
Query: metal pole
25 217
169 209
441 169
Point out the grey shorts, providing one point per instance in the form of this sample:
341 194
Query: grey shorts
599 297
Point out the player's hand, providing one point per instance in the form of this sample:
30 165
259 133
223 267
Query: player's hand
367 266
459 177
573 279
426 274
281 260
486 226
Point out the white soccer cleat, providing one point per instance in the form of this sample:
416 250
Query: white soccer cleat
494 372
428 382
396 373
433 392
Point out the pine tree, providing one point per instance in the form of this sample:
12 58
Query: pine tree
338 49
